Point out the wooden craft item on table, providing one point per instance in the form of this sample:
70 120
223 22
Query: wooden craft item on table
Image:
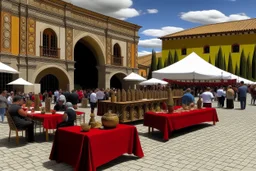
48 104
118 96
37 102
133 95
129 96
137 95
123 96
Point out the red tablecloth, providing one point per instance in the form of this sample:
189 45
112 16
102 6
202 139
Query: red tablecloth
50 121
80 113
170 122
86 151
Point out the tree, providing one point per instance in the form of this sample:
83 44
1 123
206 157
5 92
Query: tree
216 61
176 58
237 71
153 66
254 64
166 62
249 68
160 63
169 59
230 64
220 59
243 65
225 66
210 61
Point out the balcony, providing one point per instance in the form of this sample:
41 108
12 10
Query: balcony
50 52
118 61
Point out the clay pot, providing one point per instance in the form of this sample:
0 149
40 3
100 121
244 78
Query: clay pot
85 127
53 111
109 120
199 103
170 109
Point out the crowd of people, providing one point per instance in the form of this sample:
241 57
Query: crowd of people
208 95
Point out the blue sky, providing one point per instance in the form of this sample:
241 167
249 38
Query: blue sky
161 17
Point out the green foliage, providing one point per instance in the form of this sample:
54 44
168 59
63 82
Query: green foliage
230 64
243 65
225 66
249 68
216 63
153 66
170 59
254 64
160 63
166 62
210 61
176 58
220 59
237 70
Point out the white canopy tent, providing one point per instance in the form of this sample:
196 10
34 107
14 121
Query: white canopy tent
193 67
20 81
7 69
134 77
153 81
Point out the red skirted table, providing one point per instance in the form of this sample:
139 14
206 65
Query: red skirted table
167 123
50 121
86 151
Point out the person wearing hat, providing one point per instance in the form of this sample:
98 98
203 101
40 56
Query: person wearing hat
69 116
230 97
60 106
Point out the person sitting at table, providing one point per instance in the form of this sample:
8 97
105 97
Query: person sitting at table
60 106
21 118
69 116
187 99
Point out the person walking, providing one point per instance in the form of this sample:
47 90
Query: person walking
242 90
3 104
230 97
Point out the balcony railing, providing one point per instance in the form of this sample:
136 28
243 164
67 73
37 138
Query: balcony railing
50 52
118 61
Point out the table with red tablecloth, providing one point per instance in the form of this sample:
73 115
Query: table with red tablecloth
89 150
167 123
49 121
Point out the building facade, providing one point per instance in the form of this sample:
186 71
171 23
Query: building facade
232 37
58 45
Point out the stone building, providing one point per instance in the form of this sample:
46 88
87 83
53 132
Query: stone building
60 45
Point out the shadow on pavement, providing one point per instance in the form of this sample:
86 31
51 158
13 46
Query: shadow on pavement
158 136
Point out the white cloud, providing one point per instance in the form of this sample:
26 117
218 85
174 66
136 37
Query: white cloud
161 32
211 16
144 52
120 9
151 43
152 11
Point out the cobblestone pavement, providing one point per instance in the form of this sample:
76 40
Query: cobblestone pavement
230 145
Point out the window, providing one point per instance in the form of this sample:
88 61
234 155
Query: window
117 50
207 49
184 51
235 48
117 59
49 47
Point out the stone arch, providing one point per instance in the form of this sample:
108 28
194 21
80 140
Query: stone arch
116 80
59 72
97 46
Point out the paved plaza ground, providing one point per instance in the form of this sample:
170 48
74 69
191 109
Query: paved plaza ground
230 145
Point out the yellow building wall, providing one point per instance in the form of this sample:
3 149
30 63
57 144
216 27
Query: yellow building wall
133 55
246 42
15 36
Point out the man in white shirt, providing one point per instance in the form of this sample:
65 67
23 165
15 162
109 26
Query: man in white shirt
221 97
93 101
207 97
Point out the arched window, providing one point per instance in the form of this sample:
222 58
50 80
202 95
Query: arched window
206 49
183 51
117 50
235 48
49 47
117 57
